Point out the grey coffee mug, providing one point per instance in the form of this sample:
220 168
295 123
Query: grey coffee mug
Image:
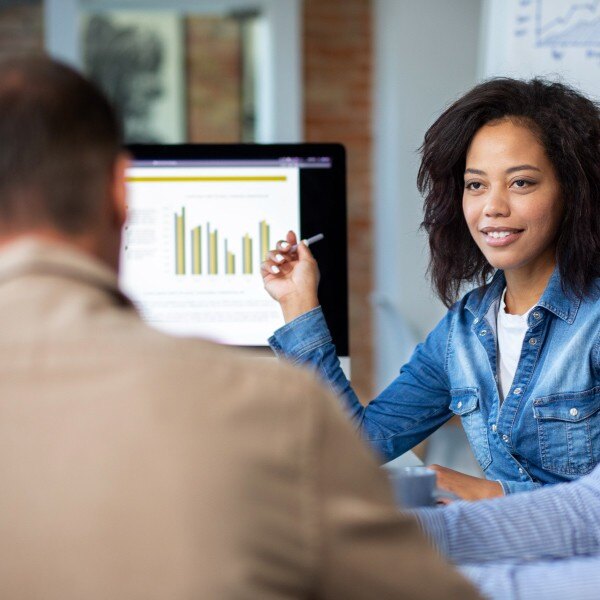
413 486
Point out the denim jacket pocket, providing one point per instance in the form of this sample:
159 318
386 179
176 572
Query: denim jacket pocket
569 431
464 402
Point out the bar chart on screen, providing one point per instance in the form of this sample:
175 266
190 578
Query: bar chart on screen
194 242
205 244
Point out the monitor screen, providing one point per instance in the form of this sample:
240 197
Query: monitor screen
202 217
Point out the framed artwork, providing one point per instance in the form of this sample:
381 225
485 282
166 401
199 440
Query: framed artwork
279 95
137 58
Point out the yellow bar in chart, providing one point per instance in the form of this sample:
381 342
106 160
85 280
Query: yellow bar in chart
247 254
213 262
196 235
229 261
265 242
208 178
180 243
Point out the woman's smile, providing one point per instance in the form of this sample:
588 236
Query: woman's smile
498 237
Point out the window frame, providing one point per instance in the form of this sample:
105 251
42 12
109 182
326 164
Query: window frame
279 105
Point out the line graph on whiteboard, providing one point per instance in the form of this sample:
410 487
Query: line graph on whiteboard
564 29
568 24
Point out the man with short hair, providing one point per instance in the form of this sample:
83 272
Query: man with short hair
136 465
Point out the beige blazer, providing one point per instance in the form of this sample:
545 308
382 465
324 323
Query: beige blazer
136 465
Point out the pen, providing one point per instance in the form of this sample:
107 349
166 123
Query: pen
308 241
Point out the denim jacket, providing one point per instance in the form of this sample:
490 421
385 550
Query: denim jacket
547 429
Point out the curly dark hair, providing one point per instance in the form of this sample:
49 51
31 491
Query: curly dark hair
567 125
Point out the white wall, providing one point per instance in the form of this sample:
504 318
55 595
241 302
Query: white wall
426 55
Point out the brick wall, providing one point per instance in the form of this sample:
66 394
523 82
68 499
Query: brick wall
213 71
338 67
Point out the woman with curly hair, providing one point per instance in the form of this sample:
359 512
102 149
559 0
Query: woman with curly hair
511 178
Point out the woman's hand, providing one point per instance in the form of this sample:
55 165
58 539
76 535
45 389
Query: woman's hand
291 277
466 486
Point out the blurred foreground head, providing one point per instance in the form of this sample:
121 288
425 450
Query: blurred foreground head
60 149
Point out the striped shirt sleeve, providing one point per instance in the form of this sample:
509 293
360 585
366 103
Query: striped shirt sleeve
559 521
575 579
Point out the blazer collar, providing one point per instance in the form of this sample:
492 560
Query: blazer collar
30 256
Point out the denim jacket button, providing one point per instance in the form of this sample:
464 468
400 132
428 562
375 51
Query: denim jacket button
517 391
532 341
475 320
494 427
483 332
505 438
537 315
521 470
459 405
573 412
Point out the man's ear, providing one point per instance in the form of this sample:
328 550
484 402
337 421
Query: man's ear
119 189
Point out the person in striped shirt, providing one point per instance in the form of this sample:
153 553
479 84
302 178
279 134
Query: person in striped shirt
542 544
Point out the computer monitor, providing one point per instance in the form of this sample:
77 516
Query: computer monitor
200 219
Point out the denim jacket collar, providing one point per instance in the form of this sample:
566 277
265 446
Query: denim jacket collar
554 299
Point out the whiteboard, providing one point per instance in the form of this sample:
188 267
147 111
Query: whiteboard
559 39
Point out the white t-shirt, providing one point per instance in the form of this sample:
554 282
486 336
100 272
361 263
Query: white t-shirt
511 331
